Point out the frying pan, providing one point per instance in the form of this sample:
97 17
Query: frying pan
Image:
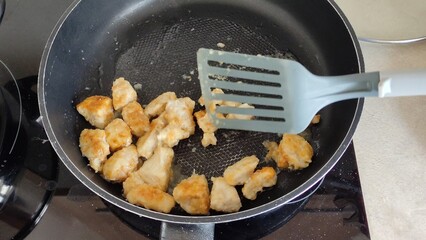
154 43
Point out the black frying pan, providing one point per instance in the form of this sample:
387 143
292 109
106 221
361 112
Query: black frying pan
154 43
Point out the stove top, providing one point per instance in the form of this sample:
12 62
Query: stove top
40 199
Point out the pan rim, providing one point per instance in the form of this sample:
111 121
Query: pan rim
180 219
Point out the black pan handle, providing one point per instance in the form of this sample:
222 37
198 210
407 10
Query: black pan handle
2 8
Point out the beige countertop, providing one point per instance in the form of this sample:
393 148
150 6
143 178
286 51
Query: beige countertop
390 144
390 141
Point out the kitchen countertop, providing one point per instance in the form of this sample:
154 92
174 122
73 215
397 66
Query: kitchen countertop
390 141
390 144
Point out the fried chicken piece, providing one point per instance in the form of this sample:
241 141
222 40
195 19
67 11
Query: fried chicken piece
208 139
118 134
241 116
157 106
133 180
151 197
119 166
272 150
147 144
293 152
97 110
205 122
171 135
265 177
316 119
94 146
135 117
179 113
224 197
122 93
202 102
239 172
192 194
156 171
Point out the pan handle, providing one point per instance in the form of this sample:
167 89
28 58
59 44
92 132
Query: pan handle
177 231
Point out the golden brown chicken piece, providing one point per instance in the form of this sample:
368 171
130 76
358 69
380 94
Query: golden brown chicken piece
119 166
135 117
94 146
205 122
122 93
208 139
192 194
171 135
179 113
240 116
201 100
132 181
272 150
97 110
224 197
157 170
147 144
157 106
239 172
151 197
118 134
316 119
293 152
265 177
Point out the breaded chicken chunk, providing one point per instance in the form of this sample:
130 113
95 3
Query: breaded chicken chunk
241 116
97 110
122 93
157 170
171 135
239 172
316 119
118 134
94 146
201 100
132 181
224 197
157 106
135 117
293 152
119 166
192 194
179 113
205 122
272 150
265 177
151 197
208 139
147 144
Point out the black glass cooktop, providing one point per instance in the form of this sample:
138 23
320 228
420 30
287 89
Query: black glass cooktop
40 199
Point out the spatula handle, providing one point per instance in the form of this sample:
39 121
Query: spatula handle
410 83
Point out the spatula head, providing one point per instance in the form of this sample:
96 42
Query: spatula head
257 80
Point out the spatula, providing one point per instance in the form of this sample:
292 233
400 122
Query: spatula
286 96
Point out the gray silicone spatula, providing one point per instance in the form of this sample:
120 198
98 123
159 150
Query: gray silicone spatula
285 94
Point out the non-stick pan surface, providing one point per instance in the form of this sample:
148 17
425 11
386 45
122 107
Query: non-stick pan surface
154 43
